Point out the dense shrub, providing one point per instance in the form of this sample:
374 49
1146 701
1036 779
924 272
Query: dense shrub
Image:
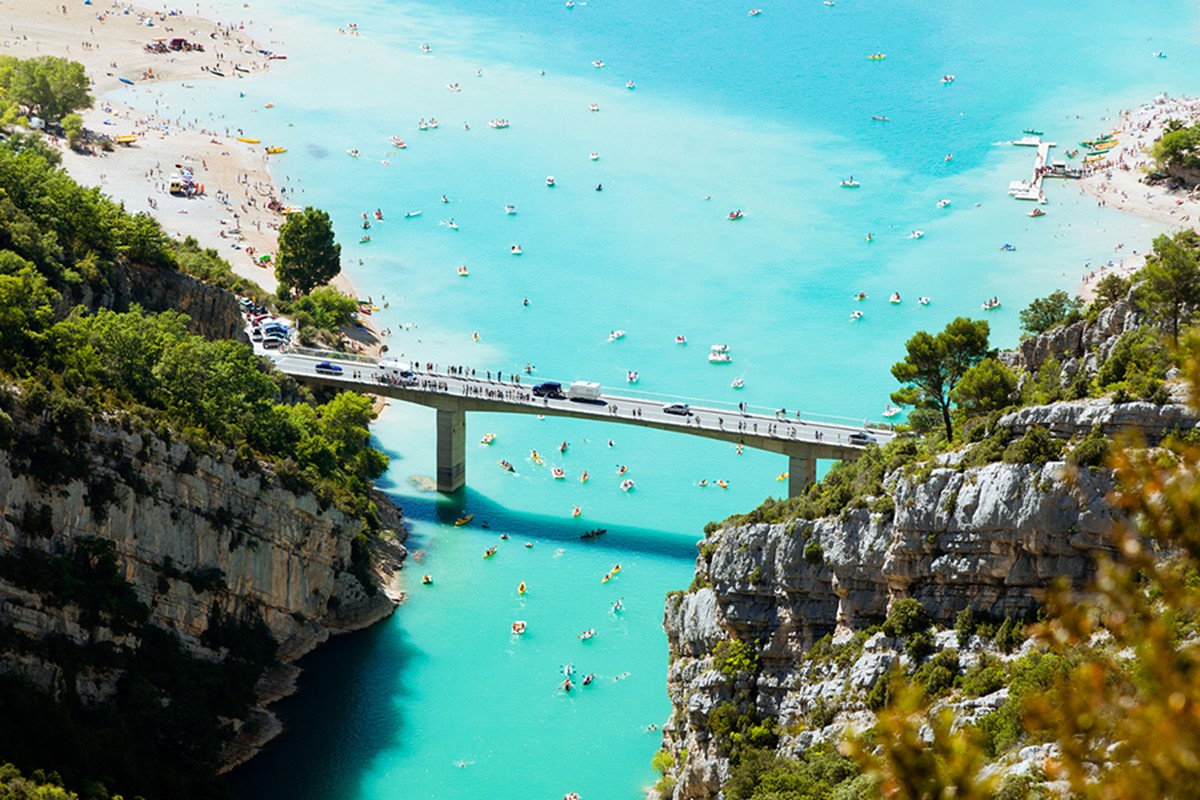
985 676
937 675
907 616
732 657
762 775
1036 447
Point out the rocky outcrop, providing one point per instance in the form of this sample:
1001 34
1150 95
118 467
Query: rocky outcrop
991 538
198 539
213 311
1148 422
1082 345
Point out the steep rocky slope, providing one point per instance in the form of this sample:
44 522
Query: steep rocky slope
990 538
201 543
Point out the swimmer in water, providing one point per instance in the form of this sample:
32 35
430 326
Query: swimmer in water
525 302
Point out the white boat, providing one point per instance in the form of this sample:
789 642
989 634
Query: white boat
433 123
716 357
631 376
629 84
738 383
943 203
593 106
594 156
598 64
991 305
947 79
626 485
923 300
850 184
498 123
890 411
462 271
516 250
488 438
615 335
720 348
754 12
855 315
453 87
353 153
916 234
894 299
398 142
510 209
558 473
426 48
411 214
549 180
681 339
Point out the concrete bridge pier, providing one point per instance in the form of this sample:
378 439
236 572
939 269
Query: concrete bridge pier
802 473
451 450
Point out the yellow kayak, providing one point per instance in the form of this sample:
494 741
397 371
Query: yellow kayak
521 588
248 140
126 138
274 150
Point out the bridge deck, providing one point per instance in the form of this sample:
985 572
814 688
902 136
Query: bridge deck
802 440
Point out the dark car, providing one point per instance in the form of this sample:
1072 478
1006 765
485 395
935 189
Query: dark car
549 389
861 437
325 368
680 409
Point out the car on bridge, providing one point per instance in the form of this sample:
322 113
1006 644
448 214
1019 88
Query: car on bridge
552 389
678 409
861 437
327 368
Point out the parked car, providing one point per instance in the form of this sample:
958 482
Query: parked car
861 437
679 409
273 343
326 368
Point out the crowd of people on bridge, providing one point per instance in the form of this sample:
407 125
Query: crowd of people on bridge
476 386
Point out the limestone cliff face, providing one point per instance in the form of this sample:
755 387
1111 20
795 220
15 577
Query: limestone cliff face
213 311
199 537
992 538
1080 346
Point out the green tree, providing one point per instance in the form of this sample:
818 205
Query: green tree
988 386
26 305
1178 149
308 255
49 86
1111 288
1172 280
72 125
1044 313
935 364
326 308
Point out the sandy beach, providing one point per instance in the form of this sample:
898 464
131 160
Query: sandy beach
239 212
1117 181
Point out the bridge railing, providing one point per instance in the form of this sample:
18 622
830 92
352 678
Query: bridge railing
328 355
625 391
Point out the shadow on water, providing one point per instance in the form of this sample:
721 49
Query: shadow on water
493 518
337 723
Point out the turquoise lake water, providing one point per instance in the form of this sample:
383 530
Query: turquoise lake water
766 114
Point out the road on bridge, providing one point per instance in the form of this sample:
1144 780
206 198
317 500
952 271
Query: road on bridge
516 395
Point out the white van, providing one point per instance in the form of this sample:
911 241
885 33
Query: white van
583 390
